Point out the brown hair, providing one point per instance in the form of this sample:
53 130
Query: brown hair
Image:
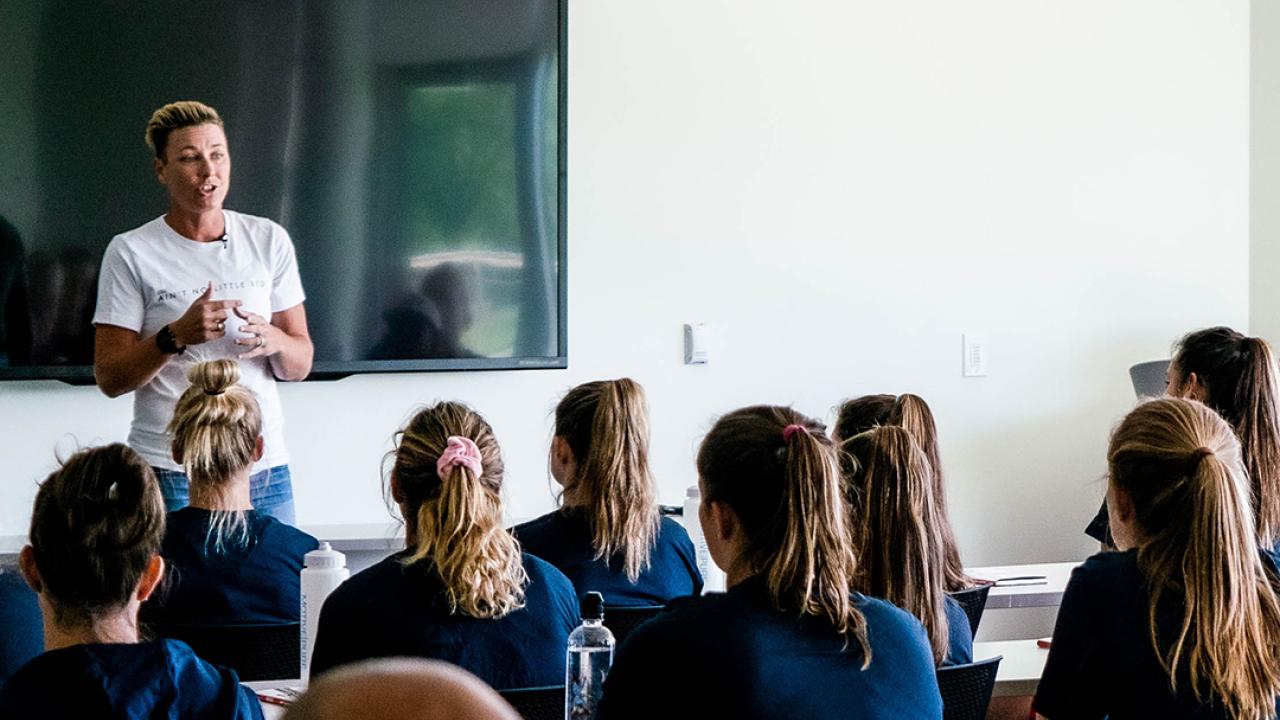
458 522
176 115
1180 465
1239 377
215 427
606 425
911 413
96 523
895 527
786 494
861 414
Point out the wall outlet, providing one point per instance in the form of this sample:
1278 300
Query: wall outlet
975 354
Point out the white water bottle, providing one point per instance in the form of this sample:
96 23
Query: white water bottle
713 578
588 661
324 569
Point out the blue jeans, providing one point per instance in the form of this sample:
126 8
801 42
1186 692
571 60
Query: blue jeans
270 491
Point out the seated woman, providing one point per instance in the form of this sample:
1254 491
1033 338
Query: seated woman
790 639
1236 375
911 413
896 539
228 563
462 591
609 537
93 559
1184 622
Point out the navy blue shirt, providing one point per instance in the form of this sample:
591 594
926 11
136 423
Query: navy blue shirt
732 655
393 609
563 538
21 627
960 643
161 679
1102 663
253 583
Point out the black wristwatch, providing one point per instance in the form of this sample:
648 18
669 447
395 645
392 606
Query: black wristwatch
167 343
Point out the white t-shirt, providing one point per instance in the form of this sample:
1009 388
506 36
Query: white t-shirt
151 275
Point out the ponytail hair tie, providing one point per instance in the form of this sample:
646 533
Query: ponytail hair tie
1196 456
212 393
789 431
460 451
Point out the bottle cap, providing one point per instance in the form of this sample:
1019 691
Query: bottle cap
324 558
693 492
593 606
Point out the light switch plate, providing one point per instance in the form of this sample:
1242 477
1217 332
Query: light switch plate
976 351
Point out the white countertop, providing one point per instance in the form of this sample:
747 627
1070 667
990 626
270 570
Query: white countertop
1020 670
345 537
1046 594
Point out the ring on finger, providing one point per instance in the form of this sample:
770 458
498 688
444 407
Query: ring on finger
222 326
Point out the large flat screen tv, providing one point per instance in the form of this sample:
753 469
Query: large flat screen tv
414 150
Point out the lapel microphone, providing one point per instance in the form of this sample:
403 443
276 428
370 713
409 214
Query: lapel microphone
224 239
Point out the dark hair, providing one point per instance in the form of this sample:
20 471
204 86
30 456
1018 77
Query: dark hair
606 425
911 413
895 528
861 414
785 489
97 522
1238 374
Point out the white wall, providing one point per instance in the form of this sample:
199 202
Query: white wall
841 190
1264 171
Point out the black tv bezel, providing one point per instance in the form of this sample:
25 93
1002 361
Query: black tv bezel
83 374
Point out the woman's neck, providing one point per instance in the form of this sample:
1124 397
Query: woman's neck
119 627
231 494
736 575
201 227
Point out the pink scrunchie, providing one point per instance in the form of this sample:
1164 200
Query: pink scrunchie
460 451
791 430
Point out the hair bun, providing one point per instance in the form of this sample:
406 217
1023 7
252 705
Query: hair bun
215 376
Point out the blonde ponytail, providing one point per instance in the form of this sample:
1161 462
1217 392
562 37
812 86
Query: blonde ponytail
458 519
912 413
606 424
778 472
895 527
215 429
1180 464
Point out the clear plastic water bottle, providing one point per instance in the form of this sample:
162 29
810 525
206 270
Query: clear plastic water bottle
589 659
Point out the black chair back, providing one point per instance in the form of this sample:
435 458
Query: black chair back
621 620
973 601
270 651
539 703
966 689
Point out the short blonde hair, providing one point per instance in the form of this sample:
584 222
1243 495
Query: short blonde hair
175 115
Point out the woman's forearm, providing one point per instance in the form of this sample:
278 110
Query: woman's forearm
293 362
122 362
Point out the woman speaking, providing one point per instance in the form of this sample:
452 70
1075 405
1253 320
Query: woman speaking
200 283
